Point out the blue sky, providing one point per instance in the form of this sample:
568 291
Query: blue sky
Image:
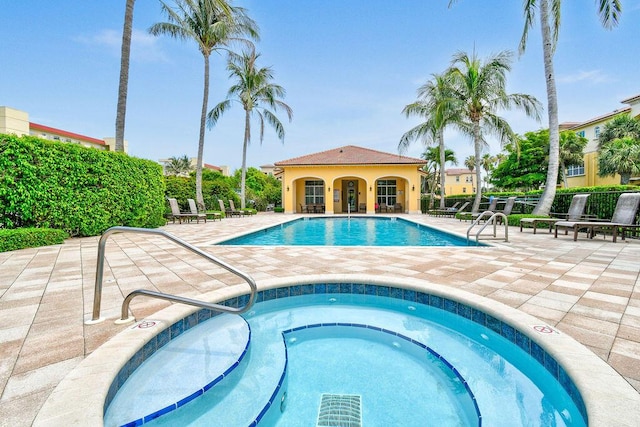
349 67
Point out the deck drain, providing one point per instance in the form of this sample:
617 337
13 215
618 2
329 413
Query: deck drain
340 410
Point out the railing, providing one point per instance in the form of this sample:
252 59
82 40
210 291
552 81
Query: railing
493 218
97 297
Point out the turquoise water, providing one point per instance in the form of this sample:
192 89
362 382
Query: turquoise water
398 383
343 231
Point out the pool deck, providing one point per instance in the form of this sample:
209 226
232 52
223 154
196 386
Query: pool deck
589 289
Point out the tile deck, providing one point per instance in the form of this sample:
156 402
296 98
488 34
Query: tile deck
589 290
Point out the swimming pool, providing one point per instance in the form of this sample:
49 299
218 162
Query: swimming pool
306 342
346 231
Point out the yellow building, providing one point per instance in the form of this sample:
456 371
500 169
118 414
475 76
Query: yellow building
459 181
586 175
351 179
17 122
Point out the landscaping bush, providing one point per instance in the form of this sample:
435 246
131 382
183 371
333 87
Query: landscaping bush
83 191
14 239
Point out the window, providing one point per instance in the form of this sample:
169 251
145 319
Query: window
464 189
597 131
387 191
314 192
581 133
468 179
457 178
575 170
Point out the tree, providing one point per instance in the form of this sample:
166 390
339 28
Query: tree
125 54
620 156
434 169
179 166
470 162
609 11
257 94
525 166
571 152
622 126
213 25
488 161
436 105
480 89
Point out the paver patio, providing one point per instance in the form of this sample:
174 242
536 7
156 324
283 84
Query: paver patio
589 289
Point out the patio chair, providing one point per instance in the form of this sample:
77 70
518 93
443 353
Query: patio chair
383 208
623 218
176 214
574 213
194 211
397 207
227 211
450 211
493 204
362 207
238 211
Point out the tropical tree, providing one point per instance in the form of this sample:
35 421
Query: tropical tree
488 162
480 88
609 11
214 25
620 156
525 165
258 95
437 106
434 169
125 54
621 126
179 166
571 152
470 163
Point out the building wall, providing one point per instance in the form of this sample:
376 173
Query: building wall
336 185
459 181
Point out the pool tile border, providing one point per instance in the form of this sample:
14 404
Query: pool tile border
498 326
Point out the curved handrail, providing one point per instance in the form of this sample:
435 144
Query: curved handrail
491 220
97 297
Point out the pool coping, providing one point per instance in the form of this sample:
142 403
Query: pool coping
87 385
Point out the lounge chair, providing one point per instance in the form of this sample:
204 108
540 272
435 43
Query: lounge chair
238 211
207 214
227 211
574 213
451 211
623 218
176 214
194 211
493 205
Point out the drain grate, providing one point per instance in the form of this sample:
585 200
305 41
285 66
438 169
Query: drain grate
340 410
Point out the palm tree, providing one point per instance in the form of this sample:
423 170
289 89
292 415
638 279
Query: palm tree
436 105
488 161
256 93
609 11
622 126
470 162
213 25
620 156
124 74
571 152
481 90
434 168
179 166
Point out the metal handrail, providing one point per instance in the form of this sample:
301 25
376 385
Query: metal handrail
97 297
492 220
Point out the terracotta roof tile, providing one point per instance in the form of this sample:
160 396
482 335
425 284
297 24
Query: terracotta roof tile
350 155
460 171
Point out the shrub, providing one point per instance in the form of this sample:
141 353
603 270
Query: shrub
279 209
514 220
83 191
14 239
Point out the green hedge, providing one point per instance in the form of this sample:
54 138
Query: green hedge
14 239
83 191
214 186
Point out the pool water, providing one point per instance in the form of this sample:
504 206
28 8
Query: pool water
344 231
290 366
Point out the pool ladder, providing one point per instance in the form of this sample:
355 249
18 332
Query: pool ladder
493 219
97 297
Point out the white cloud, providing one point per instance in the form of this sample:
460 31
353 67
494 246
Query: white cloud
144 46
593 76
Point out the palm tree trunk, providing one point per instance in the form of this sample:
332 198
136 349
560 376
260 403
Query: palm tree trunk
124 75
247 132
442 161
565 181
546 200
477 143
203 115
